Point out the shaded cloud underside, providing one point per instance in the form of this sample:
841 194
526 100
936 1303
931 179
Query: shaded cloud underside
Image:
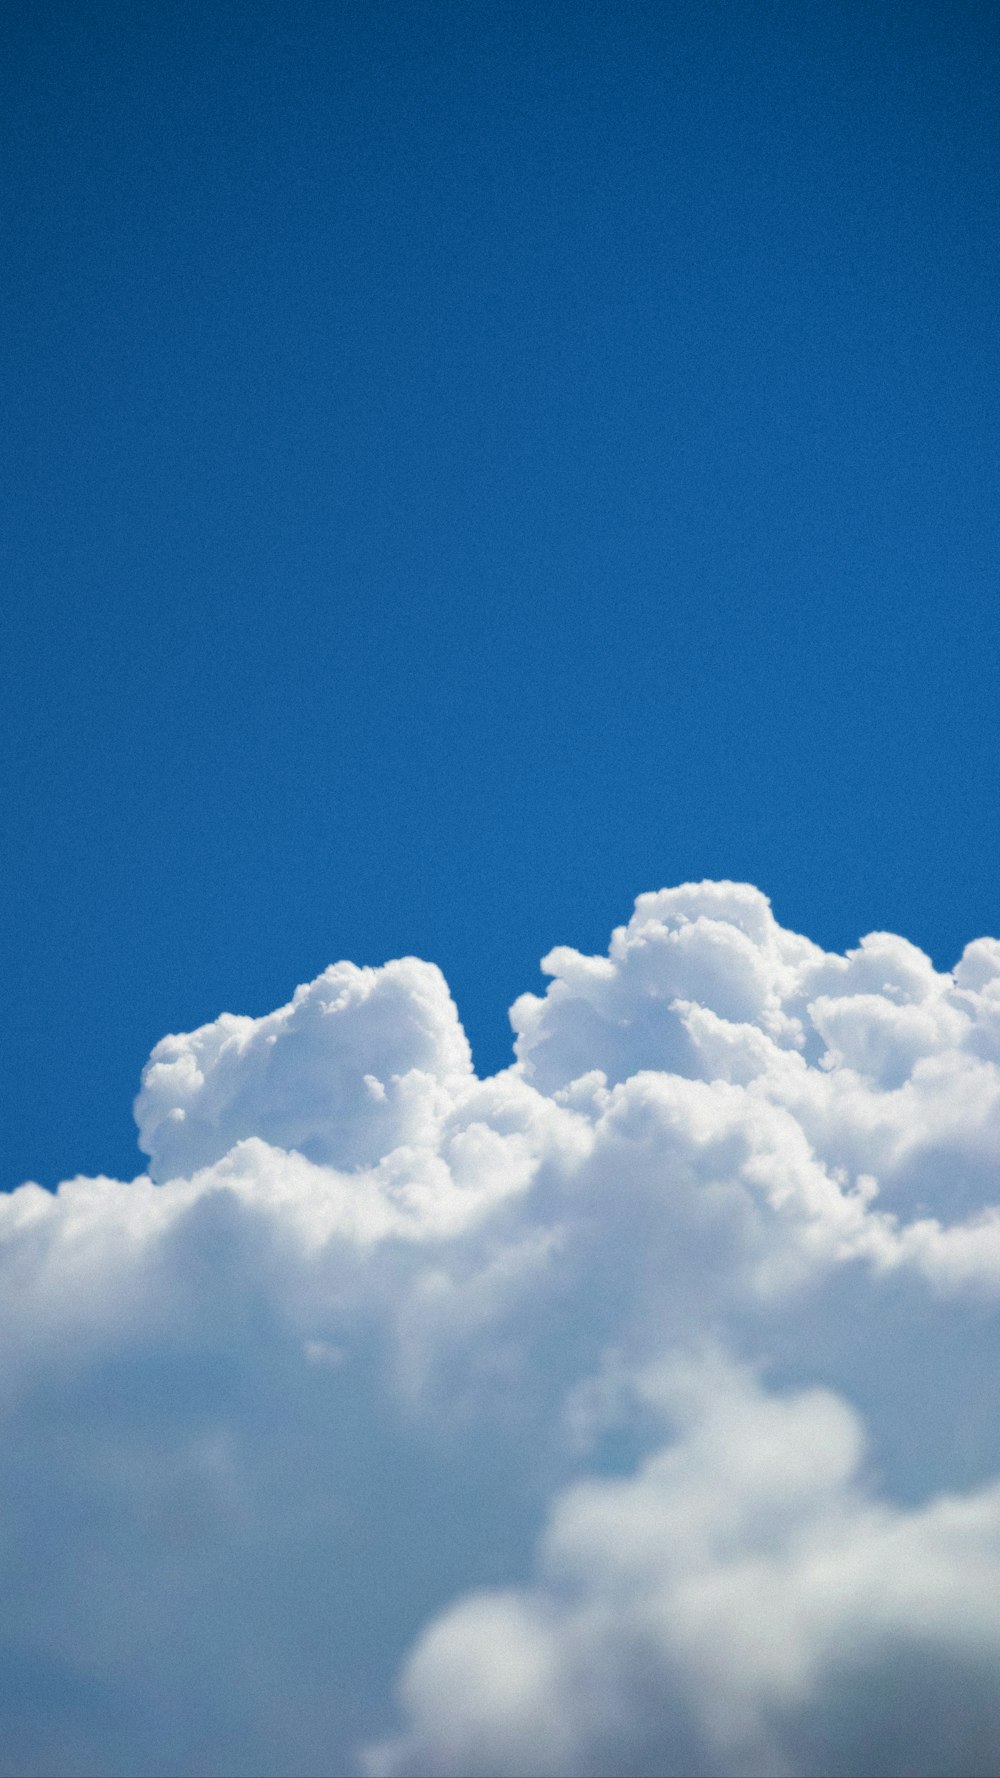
629 1411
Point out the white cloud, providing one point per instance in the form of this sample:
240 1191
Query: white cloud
360 1061
730 1607
632 1405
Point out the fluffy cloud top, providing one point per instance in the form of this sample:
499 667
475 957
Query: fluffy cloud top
293 1076
629 1411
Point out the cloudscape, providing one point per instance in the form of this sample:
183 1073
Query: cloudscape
471 466
625 1411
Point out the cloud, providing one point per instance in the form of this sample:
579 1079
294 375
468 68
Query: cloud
742 1603
293 1077
627 1411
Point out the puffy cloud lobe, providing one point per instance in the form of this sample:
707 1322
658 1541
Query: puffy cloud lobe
639 1391
360 1061
724 1609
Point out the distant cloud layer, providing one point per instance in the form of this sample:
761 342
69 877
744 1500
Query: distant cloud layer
632 1411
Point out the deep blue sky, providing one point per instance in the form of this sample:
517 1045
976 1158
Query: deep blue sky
468 464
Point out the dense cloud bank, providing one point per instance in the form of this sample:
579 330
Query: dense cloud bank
629 1411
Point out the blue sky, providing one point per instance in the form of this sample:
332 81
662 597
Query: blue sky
470 464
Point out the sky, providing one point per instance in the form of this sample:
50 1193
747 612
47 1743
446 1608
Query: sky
500 1180
467 465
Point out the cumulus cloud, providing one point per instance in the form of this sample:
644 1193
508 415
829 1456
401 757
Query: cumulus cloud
629 1411
741 1603
294 1076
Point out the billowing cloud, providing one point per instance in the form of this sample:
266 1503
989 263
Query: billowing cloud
629 1411
743 1602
